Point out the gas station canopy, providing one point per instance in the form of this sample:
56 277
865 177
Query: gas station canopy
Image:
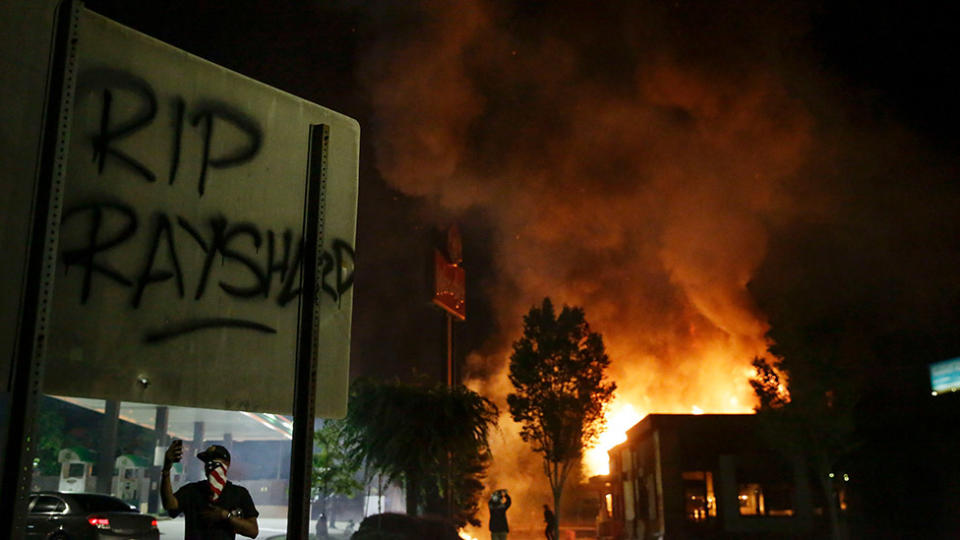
240 425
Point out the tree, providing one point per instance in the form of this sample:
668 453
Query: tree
420 435
816 419
334 467
767 386
558 372
50 439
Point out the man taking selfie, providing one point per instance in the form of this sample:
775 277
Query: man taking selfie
215 508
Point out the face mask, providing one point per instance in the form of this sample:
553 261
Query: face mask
216 477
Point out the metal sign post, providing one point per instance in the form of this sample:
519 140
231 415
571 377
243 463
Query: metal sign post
305 383
26 374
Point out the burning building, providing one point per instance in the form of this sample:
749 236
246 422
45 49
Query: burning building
707 476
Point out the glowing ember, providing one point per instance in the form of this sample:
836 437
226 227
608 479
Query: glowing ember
463 534
696 410
619 420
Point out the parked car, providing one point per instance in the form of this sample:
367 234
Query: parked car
54 515
390 526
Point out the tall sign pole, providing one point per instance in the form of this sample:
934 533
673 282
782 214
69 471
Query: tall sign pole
450 295
26 373
450 376
305 384
450 292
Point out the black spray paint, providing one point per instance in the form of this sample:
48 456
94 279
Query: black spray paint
270 259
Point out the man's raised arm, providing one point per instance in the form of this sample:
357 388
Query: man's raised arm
169 500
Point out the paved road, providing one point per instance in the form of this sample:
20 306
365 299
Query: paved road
172 529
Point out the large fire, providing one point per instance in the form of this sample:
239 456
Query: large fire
729 395
717 382
713 379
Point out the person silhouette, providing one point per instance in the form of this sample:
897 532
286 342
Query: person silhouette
498 504
551 520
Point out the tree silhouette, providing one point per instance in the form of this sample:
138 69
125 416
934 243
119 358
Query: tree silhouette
420 436
557 371
815 420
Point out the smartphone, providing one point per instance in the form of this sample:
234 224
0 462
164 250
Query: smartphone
179 444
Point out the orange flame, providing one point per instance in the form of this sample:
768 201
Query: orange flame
621 417
720 385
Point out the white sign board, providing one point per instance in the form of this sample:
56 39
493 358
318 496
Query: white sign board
182 230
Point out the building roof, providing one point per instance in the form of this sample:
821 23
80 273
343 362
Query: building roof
717 427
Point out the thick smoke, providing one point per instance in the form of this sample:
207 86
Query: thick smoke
640 190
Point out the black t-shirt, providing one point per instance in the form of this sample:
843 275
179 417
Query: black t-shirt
195 497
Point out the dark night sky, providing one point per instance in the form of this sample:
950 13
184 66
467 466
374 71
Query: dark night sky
862 230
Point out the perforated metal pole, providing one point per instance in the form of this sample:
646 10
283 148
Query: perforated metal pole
305 382
26 374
